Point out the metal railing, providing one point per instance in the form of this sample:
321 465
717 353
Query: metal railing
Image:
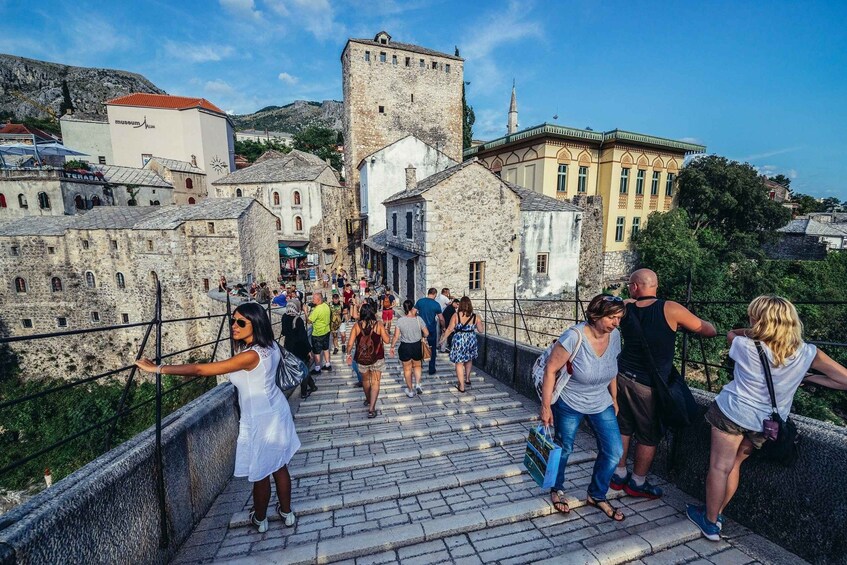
152 327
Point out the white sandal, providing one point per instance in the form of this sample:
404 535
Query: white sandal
289 519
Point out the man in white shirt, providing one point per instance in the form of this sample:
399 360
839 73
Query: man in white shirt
443 299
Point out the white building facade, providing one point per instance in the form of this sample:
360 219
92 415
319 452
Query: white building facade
89 136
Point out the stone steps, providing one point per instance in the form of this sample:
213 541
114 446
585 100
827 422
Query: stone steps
425 400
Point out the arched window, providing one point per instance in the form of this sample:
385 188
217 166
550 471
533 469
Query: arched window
154 203
189 183
56 284
192 201
43 201
2 200
296 198
276 198
95 200
20 284
238 192
278 224
90 282
154 278
119 279
79 202
298 223
22 201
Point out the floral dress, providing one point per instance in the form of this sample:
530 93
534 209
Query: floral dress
465 347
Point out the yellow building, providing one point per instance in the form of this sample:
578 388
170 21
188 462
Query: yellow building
634 173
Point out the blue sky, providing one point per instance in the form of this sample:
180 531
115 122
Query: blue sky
763 82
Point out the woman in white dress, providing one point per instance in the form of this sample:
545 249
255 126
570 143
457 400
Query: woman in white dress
267 439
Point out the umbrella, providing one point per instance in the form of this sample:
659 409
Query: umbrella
56 148
17 149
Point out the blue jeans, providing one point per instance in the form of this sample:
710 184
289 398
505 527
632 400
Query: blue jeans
609 445
432 339
355 367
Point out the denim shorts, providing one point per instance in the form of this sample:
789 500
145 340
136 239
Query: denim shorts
720 422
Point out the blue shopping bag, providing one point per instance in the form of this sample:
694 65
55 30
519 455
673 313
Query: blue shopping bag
542 457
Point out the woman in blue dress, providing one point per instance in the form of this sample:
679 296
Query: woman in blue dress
465 349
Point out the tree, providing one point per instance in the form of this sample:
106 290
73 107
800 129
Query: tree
806 204
67 103
321 142
830 203
468 117
782 179
252 150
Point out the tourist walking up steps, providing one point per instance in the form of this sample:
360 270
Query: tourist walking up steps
592 348
739 411
654 322
267 439
386 300
430 311
410 330
320 317
336 319
297 342
465 348
369 338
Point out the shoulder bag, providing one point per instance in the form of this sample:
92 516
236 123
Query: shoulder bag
782 445
563 375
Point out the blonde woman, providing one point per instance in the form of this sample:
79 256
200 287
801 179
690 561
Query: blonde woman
738 411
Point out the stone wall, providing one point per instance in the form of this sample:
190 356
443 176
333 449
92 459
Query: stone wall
796 247
590 244
108 512
557 235
329 237
617 265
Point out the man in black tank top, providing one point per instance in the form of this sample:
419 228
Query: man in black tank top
637 417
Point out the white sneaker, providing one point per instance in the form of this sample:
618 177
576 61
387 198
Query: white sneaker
262 525
418 388
287 519
409 393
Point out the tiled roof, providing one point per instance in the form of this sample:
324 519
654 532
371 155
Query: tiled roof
377 241
129 217
21 129
144 100
806 226
130 175
290 167
263 133
405 47
429 182
179 166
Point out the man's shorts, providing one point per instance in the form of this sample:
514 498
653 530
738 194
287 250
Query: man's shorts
720 422
320 343
387 315
637 412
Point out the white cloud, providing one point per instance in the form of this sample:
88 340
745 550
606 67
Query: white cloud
692 140
219 87
197 53
288 79
242 8
771 153
315 16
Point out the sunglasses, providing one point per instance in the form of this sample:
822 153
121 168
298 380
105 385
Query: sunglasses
240 322
612 299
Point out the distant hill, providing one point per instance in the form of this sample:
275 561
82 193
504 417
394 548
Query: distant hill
293 117
41 82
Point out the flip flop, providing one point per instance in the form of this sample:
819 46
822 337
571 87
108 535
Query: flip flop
615 512
560 504
459 389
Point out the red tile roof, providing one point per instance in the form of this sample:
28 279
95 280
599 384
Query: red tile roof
21 129
163 101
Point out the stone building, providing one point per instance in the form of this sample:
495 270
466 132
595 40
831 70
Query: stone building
632 172
466 229
100 269
303 193
187 179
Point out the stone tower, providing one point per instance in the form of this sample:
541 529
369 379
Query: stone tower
512 126
395 89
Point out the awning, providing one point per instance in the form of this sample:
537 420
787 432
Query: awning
290 253
400 253
298 243
377 241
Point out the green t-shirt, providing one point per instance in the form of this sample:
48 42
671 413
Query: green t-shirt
319 317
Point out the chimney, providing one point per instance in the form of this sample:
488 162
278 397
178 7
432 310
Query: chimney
411 178
194 160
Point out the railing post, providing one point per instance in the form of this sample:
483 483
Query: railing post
229 321
160 470
576 305
485 328
514 334
685 334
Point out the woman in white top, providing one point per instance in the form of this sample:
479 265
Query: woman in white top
267 439
738 412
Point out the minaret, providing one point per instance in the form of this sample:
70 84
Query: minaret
512 127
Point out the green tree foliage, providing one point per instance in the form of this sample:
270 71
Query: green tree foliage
252 150
468 117
321 142
67 102
75 164
807 204
782 179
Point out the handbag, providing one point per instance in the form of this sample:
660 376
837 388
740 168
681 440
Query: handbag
542 457
676 407
562 376
426 352
291 370
783 446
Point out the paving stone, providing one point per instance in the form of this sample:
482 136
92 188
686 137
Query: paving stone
730 557
671 556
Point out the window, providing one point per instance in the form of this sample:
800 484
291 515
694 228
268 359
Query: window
90 281
51 250
154 203
562 182
26 323
2 200
85 244
95 316
654 184
56 284
20 285
191 200
541 263
124 318
114 244
624 180
639 182
43 201
238 193
79 202
382 56
276 198
408 61
434 65
278 224
189 183
394 59
367 55
582 182
145 157
22 201
206 285
636 225
296 198
394 223
210 227
149 245
119 280
101 159
413 98
15 251
382 109
298 223
61 322
669 184
447 68
408 225
619 227
422 64
476 275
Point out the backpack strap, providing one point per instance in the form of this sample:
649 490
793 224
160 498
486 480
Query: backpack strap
768 377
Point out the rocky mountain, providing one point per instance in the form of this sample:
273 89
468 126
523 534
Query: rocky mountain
27 83
293 117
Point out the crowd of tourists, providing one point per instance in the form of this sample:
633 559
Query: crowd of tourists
608 370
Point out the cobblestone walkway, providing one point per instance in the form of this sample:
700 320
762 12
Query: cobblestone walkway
439 479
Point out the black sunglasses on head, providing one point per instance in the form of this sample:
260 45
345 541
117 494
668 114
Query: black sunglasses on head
241 322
